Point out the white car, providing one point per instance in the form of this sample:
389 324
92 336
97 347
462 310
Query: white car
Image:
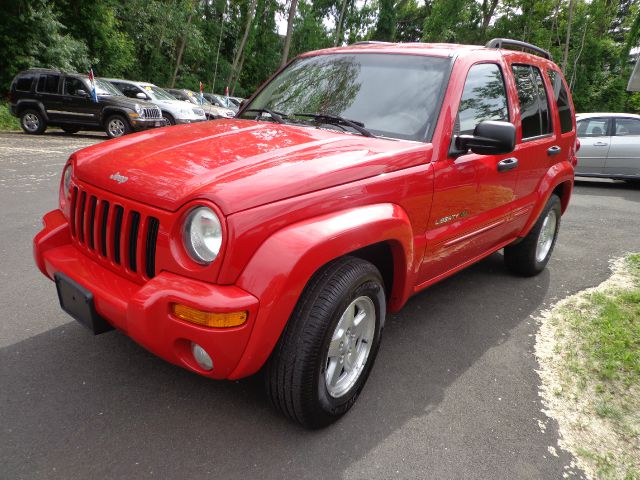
609 145
174 111
211 111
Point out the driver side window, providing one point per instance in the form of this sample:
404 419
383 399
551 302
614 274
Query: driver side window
73 85
484 98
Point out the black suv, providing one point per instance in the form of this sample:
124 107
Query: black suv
42 97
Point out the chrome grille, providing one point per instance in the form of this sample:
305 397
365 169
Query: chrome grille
152 113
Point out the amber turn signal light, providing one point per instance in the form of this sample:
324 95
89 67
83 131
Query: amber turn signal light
208 319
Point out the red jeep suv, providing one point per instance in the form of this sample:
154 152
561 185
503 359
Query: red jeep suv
280 240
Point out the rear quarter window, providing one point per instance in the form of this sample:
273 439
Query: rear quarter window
23 84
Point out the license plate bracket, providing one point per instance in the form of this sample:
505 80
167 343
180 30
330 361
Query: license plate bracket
77 301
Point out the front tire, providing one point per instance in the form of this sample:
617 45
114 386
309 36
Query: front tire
328 348
168 119
531 254
116 126
33 122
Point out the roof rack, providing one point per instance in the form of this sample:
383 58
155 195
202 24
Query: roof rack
373 42
507 42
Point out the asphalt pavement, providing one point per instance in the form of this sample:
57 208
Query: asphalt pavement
454 392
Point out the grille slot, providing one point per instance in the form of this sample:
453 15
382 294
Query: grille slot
112 232
93 201
152 237
103 228
117 231
133 240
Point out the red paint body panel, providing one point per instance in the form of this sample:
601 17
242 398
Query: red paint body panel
290 199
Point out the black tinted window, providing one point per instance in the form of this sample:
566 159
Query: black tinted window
627 126
72 85
24 83
534 106
594 127
546 126
483 98
562 101
48 83
392 95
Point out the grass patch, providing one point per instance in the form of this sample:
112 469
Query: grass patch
589 351
7 121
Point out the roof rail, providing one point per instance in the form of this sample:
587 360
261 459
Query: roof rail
507 42
372 42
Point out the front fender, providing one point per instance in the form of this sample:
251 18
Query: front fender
280 269
559 173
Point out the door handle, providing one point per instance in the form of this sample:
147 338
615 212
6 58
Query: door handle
554 150
507 164
600 144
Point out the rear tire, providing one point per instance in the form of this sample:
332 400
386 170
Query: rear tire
33 122
325 354
532 253
70 130
116 126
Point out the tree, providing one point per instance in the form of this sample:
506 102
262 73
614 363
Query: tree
287 40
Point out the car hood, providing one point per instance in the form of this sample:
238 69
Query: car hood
122 101
238 164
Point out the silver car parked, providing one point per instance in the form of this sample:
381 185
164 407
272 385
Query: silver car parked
609 145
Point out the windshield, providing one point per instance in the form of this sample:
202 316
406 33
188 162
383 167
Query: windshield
392 95
105 88
196 98
157 93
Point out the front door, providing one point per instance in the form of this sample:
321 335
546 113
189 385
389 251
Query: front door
595 141
78 105
472 193
624 153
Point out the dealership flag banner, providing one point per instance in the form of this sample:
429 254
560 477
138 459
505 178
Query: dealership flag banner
201 94
92 81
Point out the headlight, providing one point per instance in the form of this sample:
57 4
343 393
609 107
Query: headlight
66 181
65 188
202 235
137 108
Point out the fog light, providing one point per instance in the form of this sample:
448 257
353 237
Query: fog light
209 319
201 356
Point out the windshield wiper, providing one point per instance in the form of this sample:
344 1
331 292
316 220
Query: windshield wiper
277 116
337 120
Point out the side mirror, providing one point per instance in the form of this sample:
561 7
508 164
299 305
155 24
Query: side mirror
490 137
141 96
81 93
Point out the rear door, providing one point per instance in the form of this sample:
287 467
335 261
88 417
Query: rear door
48 92
624 152
537 147
595 140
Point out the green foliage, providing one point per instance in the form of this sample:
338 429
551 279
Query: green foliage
7 121
141 39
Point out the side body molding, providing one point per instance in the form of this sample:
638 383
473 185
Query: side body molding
279 270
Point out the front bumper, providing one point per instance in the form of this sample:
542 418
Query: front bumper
184 121
142 311
145 123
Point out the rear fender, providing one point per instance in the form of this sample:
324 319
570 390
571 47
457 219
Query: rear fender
30 104
559 174
280 269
